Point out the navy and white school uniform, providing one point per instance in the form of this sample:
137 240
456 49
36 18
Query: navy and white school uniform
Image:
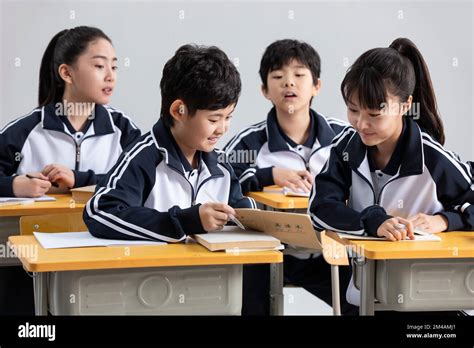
259 148
42 137
420 177
271 147
153 193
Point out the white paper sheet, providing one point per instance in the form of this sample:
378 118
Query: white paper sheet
82 239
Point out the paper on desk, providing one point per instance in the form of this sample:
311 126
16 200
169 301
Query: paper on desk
285 191
246 250
45 199
418 238
82 239
26 200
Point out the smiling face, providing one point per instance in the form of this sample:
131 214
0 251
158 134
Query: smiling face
201 131
291 87
93 75
378 126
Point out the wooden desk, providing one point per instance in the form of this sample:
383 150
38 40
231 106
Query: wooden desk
10 215
62 204
279 201
454 247
56 260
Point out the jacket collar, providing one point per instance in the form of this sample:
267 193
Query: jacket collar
407 158
101 120
321 134
174 156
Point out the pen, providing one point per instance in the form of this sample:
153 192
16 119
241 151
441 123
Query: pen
232 218
34 177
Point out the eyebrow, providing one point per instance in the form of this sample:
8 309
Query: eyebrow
104 57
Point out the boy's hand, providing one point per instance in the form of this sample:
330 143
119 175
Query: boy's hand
215 215
26 187
293 179
392 229
59 174
429 223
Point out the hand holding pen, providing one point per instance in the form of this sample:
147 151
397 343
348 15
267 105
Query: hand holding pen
41 178
30 185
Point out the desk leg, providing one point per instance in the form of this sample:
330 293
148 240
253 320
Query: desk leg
41 294
336 298
367 288
276 288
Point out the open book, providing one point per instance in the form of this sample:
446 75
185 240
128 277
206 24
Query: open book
263 227
285 191
83 194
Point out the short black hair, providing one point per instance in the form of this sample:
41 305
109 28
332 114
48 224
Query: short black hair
202 77
282 52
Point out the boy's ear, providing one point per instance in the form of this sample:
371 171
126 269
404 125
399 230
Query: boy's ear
317 88
265 92
64 72
178 110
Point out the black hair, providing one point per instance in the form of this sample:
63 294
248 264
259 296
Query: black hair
282 52
202 77
64 48
400 70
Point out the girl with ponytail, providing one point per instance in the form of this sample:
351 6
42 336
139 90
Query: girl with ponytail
73 137
388 175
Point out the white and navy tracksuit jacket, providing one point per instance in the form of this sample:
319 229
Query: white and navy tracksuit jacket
421 177
259 148
31 142
153 193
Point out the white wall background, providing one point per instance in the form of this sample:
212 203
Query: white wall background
146 34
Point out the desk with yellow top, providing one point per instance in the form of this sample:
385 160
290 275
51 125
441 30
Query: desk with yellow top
152 279
171 279
278 201
414 276
10 216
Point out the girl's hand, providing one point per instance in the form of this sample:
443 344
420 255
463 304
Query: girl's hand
59 174
293 179
35 186
395 229
429 223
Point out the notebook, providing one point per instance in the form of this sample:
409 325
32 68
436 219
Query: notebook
233 239
285 191
83 194
419 237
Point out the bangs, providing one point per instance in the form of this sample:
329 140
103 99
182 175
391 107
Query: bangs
368 85
286 57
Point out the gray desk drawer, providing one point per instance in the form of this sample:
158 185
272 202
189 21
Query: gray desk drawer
202 290
411 285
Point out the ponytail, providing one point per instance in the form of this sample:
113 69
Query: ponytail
50 84
401 70
64 48
423 93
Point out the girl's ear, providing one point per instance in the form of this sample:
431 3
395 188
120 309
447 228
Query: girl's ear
407 105
316 88
64 72
178 110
